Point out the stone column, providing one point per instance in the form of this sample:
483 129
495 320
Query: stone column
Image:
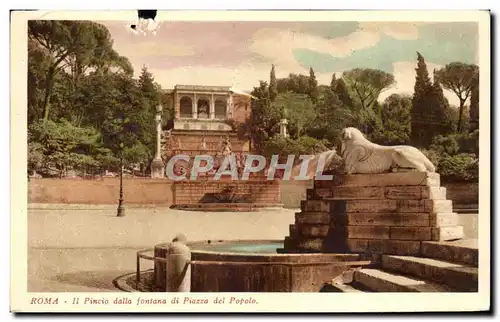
177 106
212 108
195 106
157 165
229 107
283 129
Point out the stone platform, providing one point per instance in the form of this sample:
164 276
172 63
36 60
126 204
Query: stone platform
390 213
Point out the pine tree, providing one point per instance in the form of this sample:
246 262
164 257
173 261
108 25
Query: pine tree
273 86
474 104
313 86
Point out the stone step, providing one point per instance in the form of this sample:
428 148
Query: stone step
380 219
382 180
459 276
341 288
379 246
313 230
378 193
461 251
380 281
319 218
339 207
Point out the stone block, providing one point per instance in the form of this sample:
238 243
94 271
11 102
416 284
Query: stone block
385 219
381 281
320 218
349 193
313 230
447 233
460 277
289 243
380 246
310 245
415 192
293 230
411 233
437 206
315 206
364 232
399 206
464 251
357 245
394 247
386 179
443 219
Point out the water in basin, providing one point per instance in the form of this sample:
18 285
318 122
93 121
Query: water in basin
257 247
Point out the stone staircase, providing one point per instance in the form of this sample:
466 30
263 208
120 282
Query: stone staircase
389 213
454 270
401 220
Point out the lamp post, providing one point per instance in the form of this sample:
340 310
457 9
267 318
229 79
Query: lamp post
121 211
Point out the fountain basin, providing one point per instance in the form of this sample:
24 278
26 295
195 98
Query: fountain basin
255 266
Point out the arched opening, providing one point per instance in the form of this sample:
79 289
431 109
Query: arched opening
203 108
186 107
220 108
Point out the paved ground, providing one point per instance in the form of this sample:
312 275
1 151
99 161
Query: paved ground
83 248
79 248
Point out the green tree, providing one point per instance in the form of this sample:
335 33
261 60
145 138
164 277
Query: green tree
342 93
74 45
273 85
458 78
299 111
474 103
312 86
429 107
396 120
56 147
365 85
333 83
295 83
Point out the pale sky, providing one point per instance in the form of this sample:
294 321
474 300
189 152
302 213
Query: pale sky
239 54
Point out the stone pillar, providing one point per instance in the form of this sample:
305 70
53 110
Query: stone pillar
195 106
229 107
177 106
178 267
283 130
212 108
157 165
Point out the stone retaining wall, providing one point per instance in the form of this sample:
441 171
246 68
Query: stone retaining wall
106 191
160 191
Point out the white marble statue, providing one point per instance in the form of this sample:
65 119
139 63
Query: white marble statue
362 156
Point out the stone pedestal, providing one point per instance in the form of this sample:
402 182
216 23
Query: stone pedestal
157 168
390 213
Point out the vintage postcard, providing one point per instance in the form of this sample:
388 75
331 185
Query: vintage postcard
211 161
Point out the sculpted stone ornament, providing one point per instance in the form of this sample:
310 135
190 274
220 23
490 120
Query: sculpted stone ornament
362 156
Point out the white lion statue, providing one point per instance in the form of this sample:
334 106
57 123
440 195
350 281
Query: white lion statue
362 156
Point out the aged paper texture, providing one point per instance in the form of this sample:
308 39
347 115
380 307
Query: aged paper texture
158 161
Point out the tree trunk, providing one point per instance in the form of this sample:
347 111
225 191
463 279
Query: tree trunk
48 93
460 115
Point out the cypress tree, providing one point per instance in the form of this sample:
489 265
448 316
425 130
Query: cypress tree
421 102
342 93
313 86
333 83
273 85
